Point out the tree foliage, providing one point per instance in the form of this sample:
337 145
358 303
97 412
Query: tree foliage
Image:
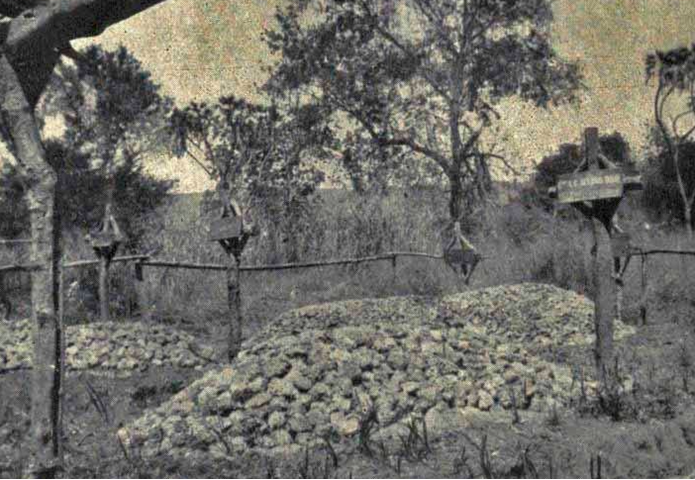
420 77
33 36
675 91
263 157
661 191
111 107
112 114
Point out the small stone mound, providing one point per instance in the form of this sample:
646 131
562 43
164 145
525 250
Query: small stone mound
322 369
107 347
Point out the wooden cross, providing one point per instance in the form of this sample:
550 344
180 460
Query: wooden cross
596 189
597 186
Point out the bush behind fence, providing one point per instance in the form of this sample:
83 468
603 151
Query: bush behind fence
519 243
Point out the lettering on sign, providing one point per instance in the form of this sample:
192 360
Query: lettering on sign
592 185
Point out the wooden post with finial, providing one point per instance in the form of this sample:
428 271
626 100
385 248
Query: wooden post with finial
602 269
232 235
105 243
596 189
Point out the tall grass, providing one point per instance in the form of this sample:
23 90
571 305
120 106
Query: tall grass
519 244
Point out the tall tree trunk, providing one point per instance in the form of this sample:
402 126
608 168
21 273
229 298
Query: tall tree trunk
32 42
45 453
58 393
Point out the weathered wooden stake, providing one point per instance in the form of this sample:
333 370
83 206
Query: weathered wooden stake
602 282
142 292
105 244
555 240
234 303
643 296
231 233
4 298
618 288
104 264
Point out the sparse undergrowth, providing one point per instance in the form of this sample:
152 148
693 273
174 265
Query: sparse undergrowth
641 427
654 435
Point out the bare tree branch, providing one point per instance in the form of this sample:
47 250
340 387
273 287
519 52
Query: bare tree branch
441 160
55 23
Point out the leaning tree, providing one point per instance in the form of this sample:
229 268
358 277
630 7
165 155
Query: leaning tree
674 113
34 34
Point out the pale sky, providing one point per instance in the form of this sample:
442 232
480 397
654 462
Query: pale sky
201 49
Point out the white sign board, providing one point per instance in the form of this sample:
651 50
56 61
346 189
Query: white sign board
591 185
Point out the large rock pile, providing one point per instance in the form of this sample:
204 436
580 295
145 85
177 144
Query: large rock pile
537 315
117 348
323 369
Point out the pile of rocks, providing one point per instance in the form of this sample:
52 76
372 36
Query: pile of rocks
325 369
539 316
107 347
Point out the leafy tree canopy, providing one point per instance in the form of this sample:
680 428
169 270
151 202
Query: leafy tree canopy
421 76
113 115
661 185
254 152
670 169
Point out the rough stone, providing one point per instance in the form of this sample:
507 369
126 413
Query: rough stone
276 420
464 351
345 425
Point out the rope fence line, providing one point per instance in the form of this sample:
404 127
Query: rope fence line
142 261
87 263
287 266
665 252
27 267
30 267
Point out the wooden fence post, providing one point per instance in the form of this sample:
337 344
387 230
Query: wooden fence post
602 282
104 263
604 302
643 296
618 287
232 236
554 241
105 245
142 292
234 302
4 298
